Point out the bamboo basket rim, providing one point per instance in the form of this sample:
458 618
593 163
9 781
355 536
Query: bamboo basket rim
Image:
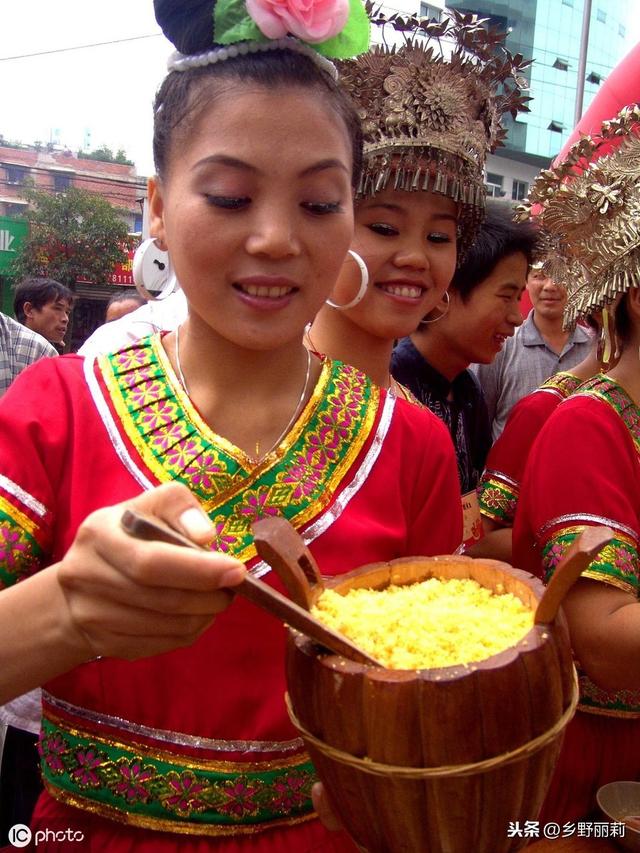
376 768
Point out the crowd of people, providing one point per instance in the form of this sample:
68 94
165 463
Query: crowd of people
341 344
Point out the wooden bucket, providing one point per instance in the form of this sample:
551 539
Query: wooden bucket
440 760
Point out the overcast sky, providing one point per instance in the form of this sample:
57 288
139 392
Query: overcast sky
82 98
99 95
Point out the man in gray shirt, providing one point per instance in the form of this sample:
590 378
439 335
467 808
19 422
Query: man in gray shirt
539 348
19 347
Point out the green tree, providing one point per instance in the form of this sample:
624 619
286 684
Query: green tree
106 155
75 235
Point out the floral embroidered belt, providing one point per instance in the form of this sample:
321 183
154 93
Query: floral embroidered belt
133 782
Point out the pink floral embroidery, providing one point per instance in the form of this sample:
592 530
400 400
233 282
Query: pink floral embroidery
304 476
256 505
223 541
240 799
184 799
159 414
88 762
181 454
53 749
555 554
625 561
202 470
14 551
132 358
147 392
132 785
292 792
168 436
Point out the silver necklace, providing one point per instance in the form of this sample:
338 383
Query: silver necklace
183 381
258 457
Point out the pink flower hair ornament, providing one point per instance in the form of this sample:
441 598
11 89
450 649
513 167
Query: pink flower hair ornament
337 29
313 21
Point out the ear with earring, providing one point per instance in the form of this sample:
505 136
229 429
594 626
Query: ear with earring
152 271
364 283
447 299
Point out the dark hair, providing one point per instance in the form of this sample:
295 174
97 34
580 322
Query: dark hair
39 292
497 238
623 320
126 296
184 94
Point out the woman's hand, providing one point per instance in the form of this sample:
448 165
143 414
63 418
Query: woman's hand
130 598
322 806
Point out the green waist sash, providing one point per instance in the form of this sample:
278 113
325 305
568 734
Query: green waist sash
154 788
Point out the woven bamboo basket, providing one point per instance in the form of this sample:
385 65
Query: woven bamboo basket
440 760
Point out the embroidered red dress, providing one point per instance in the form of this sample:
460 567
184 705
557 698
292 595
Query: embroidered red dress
499 486
194 748
584 469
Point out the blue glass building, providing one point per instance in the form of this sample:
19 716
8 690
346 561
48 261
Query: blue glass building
549 31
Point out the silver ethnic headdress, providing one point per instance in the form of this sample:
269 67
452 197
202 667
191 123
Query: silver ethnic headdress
429 120
588 209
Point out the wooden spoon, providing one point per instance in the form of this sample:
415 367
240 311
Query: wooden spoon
281 546
583 551
151 529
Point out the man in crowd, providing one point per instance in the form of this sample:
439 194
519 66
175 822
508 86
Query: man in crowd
44 306
539 349
123 303
19 347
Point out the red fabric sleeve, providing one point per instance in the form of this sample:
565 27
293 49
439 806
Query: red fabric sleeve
583 470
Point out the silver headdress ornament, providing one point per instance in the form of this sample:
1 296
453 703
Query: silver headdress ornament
588 209
428 121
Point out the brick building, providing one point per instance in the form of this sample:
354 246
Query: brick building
56 170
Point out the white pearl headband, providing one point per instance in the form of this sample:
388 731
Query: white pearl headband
183 62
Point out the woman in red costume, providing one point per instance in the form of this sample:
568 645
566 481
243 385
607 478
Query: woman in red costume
584 468
164 725
499 486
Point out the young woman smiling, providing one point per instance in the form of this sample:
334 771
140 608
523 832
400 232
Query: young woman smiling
164 726
421 195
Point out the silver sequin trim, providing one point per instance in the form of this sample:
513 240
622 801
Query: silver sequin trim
176 738
587 517
110 426
326 520
550 391
18 492
491 472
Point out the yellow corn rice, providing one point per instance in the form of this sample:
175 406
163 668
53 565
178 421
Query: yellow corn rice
429 624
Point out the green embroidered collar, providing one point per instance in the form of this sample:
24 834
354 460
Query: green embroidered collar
298 479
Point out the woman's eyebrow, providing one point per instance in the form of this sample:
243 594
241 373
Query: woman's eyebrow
236 163
225 160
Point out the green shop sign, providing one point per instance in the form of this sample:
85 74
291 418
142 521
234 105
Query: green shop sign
12 235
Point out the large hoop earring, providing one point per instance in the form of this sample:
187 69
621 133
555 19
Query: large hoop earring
152 271
440 316
364 283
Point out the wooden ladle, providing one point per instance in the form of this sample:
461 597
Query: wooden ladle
145 527
582 551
